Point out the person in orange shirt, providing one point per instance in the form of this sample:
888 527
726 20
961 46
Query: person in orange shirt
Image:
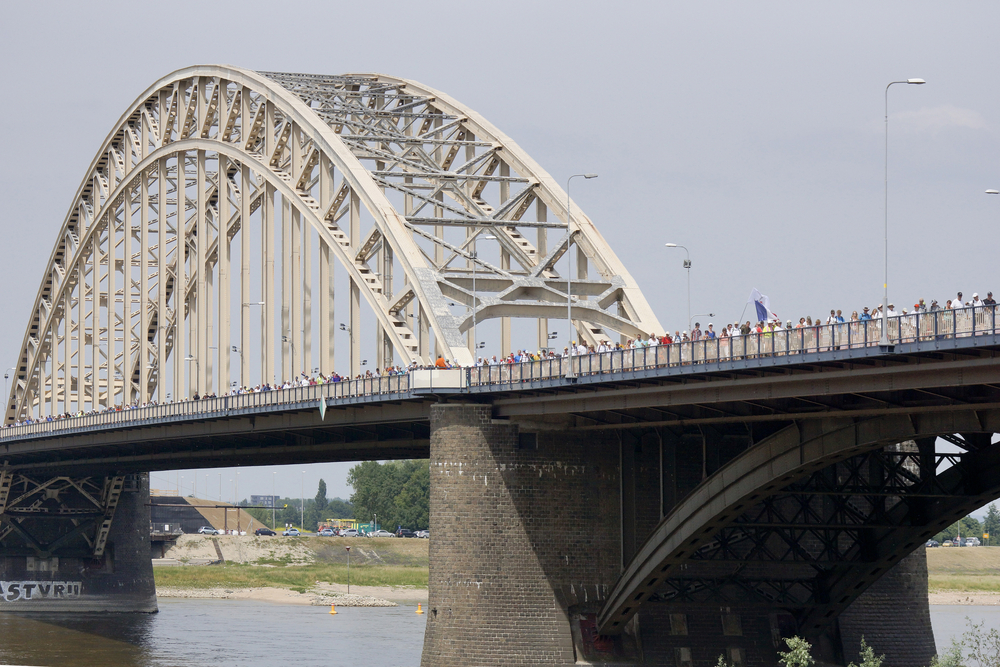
441 363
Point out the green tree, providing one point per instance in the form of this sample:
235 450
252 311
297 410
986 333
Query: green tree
971 527
321 501
991 524
413 502
340 509
966 527
397 491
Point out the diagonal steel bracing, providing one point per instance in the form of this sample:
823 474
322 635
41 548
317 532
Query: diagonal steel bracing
226 209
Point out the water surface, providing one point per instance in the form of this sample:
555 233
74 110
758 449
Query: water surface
206 633
196 633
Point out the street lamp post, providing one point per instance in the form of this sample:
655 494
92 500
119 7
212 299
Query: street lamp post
687 265
6 390
691 319
273 501
884 340
569 269
197 371
475 341
302 507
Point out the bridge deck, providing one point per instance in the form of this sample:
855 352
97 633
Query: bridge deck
806 349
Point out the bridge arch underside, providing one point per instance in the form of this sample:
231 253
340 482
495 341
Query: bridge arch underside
804 520
234 225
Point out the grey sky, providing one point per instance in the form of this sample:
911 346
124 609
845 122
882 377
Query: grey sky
750 132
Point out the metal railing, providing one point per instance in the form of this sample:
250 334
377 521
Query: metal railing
910 328
345 389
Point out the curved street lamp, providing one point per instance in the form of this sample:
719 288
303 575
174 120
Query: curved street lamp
569 269
884 340
687 265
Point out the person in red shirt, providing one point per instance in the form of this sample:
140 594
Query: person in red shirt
441 363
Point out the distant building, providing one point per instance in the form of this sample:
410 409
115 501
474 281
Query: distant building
264 501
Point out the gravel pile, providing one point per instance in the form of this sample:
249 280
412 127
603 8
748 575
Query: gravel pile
351 601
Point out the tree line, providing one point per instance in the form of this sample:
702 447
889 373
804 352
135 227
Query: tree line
398 492
972 527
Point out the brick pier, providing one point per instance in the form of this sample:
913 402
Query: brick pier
533 523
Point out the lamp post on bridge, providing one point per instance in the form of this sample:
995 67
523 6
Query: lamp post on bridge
197 371
569 270
884 339
687 266
691 319
6 390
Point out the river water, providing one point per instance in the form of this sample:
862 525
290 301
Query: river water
196 633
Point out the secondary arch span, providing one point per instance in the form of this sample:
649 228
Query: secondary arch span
805 520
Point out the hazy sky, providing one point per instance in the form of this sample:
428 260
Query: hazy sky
752 133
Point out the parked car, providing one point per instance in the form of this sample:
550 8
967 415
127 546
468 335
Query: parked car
326 532
405 532
264 531
291 532
932 543
208 530
972 542
424 534
349 532
380 533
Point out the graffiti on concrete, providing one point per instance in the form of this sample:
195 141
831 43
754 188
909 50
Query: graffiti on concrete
11 591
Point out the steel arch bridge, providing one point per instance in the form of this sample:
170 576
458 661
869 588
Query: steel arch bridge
221 190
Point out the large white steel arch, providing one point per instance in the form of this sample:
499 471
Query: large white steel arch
222 190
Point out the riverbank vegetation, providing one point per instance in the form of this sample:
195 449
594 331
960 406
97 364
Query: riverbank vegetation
963 569
374 562
295 577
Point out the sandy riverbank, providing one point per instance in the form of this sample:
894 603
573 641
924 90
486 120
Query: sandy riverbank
964 597
320 595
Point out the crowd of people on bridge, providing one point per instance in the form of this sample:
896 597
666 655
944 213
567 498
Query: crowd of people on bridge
766 328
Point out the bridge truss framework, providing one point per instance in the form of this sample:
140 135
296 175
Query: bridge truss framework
223 190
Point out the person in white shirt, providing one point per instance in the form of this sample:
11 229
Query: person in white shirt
892 311
957 302
976 303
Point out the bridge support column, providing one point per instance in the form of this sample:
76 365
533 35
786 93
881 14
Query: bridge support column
75 544
893 615
526 541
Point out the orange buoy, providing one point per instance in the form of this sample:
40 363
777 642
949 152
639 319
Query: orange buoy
333 609
420 608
